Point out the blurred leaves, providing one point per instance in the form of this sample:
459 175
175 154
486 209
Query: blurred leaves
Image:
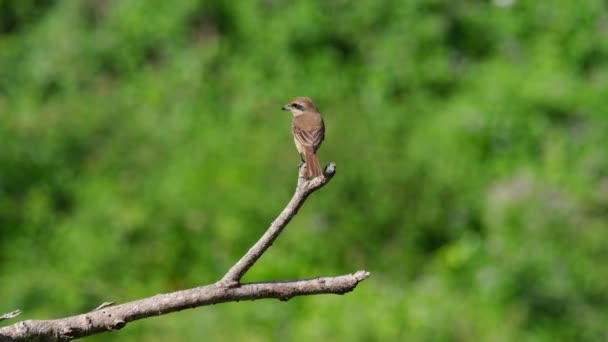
143 150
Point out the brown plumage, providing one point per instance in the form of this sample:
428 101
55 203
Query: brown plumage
308 132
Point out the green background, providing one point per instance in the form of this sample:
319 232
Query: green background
143 150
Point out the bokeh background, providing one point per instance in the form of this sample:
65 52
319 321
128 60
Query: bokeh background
143 150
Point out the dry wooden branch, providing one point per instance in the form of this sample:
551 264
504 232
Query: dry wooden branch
305 187
109 316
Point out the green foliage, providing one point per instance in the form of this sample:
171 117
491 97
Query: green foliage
143 151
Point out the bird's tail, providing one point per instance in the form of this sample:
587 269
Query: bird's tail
312 164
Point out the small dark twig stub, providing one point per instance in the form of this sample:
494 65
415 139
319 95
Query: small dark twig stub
110 316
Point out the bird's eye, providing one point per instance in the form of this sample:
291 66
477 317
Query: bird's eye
296 105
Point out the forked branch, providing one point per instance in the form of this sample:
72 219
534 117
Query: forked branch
109 316
304 188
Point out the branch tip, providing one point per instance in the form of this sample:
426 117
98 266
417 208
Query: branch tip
330 169
10 315
361 275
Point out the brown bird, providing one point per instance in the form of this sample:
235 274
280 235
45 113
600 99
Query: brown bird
308 132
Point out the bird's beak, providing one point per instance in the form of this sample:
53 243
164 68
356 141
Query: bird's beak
285 107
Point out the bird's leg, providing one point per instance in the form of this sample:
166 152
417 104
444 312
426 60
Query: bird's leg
302 161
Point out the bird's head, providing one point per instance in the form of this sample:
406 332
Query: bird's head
300 105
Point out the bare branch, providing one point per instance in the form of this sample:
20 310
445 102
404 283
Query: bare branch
109 316
116 317
303 190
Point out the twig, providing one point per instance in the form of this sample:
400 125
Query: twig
10 315
103 305
109 317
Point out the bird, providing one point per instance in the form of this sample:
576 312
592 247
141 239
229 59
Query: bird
308 132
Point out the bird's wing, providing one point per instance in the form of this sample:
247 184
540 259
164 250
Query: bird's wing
310 139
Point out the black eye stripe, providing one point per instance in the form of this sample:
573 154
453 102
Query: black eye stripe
296 105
